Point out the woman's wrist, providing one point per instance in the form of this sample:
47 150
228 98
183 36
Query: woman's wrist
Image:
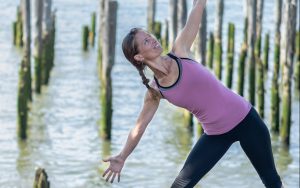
121 156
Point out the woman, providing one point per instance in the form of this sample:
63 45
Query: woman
226 117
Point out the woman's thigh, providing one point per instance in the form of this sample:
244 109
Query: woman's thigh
204 155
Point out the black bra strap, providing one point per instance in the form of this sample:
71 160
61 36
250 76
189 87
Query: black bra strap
173 56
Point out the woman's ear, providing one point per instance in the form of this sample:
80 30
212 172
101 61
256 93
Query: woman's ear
138 58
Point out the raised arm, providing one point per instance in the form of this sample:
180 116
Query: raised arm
187 35
117 162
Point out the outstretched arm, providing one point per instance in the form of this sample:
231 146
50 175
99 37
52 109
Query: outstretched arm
187 35
117 162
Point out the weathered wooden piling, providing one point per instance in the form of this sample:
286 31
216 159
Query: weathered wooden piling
100 38
14 28
218 39
47 42
151 15
172 21
37 52
188 120
22 104
200 41
297 66
165 40
260 88
92 32
157 30
182 14
241 69
266 52
109 40
27 49
242 58
85 37
259 16
19 28
275 101
251 46
200 129
41 179
230 54
286 58
210 51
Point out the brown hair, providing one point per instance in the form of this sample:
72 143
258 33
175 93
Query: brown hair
130 49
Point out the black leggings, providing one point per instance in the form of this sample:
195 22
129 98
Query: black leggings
254 138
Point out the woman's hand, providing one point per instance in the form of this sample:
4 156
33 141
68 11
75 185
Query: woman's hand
115 167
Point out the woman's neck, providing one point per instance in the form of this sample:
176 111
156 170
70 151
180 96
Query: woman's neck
161 66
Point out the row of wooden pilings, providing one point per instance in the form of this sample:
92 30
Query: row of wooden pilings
251 61
43 54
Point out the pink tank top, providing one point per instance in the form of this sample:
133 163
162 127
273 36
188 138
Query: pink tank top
217 108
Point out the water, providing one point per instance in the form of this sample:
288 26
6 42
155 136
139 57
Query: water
63 133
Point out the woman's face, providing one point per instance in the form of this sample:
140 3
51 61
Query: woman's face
148 46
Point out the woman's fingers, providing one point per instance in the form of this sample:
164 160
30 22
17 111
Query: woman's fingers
112 179
106 171
110 173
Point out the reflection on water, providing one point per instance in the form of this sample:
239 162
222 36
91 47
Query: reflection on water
63 132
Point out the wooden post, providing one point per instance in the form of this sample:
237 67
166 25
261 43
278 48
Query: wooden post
53 31
182 14
241 70
243 54
19 28
259 16
151 15
157 30
251 43
259 62
210 52
25 4
47 23
172 22
109 41
85 37
230 54
200 42
260 88
165 41
218 38
100 33
297 66
92 33
286 58
22 102
37 52
275 104
41 179
14 26
266 52
188 120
